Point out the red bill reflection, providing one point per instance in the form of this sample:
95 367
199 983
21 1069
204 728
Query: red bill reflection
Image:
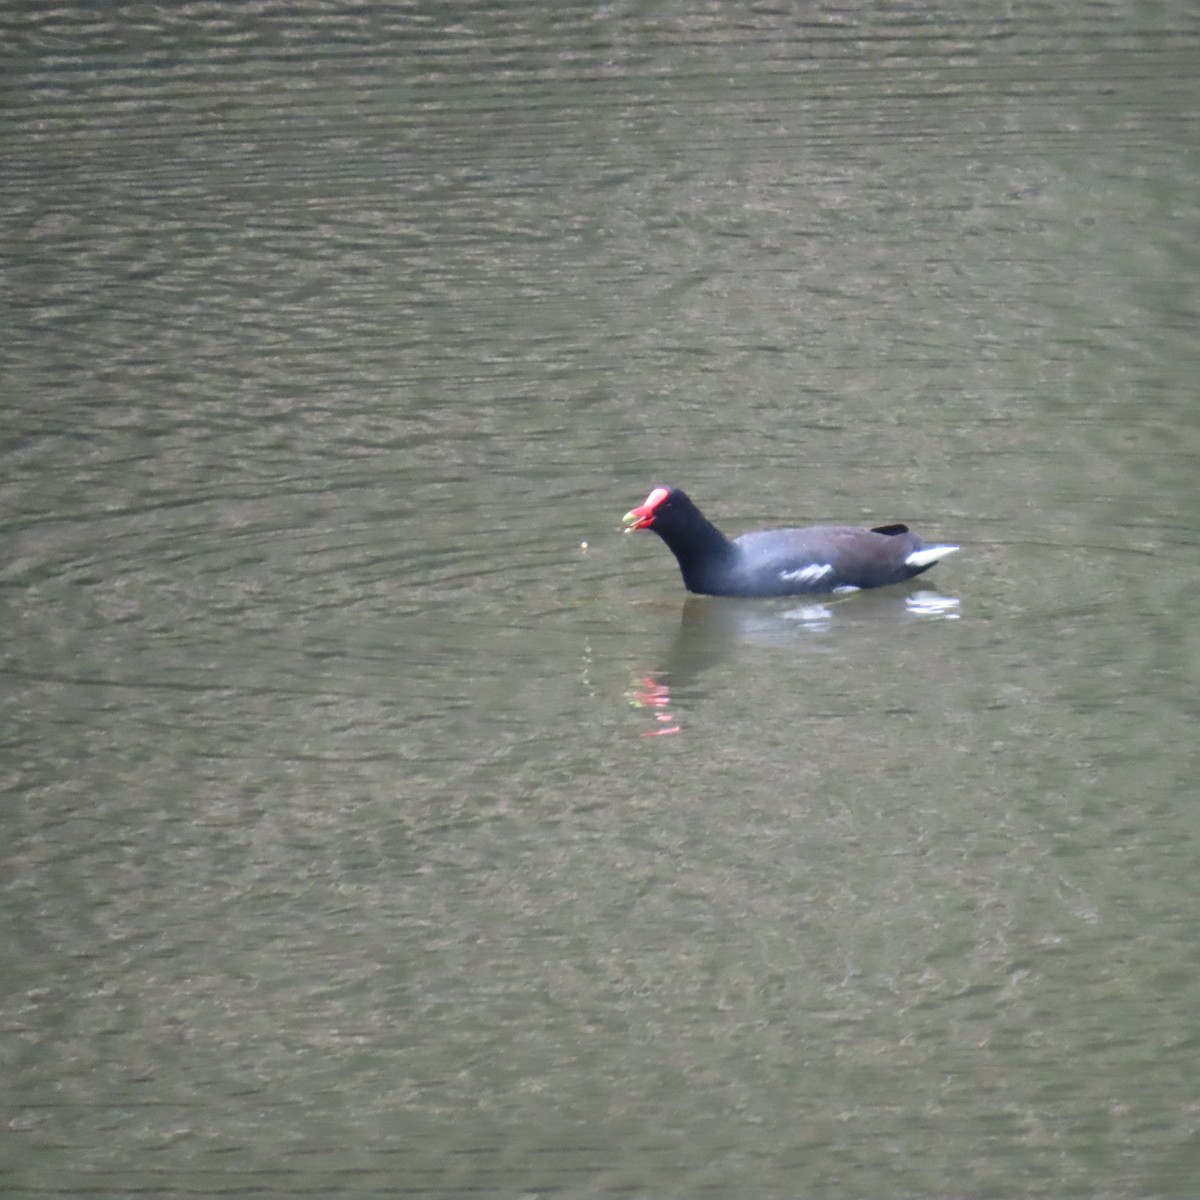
655 697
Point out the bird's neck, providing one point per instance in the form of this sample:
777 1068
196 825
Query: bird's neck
700 548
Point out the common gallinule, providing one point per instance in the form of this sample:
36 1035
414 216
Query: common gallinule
780 562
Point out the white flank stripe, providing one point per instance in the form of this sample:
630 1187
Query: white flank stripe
810 574
931 554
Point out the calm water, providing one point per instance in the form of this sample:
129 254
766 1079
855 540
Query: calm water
335 854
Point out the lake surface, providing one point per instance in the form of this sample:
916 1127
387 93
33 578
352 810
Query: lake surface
378 820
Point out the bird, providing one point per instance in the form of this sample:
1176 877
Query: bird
780 562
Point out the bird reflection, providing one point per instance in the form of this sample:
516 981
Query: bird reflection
709 628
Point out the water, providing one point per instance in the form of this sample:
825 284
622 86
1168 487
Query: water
378 819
